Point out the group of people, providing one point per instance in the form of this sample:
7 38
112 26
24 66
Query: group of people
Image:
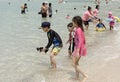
46 9
76 39
77 42
92 16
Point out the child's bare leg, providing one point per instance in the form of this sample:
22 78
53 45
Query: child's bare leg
69 52
79 71
86 27
53 60
51 63
84 76
111 27
75 65
84 79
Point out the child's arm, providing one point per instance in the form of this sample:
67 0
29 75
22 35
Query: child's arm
104 26
70 39
50 41
97 27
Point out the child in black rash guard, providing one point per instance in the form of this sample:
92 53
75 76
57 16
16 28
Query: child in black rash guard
53 38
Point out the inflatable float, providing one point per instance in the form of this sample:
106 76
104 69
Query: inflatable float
100 29
117 19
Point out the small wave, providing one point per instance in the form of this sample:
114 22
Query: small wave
112 58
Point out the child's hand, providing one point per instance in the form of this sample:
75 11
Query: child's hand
45 50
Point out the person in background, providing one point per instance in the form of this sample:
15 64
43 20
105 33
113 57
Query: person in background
71 38
44 10
80 47
111 23
95 13
98 1
50 10
87 16
68 16
100 26
23 8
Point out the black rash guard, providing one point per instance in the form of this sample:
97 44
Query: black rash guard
53 38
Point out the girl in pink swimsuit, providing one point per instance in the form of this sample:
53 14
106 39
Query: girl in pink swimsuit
111 23
80 48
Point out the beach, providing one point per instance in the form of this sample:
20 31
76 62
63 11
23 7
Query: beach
20 36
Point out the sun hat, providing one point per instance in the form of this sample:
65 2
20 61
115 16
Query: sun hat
110 13
45 2
45 24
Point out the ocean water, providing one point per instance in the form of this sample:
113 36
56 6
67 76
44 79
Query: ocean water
19 37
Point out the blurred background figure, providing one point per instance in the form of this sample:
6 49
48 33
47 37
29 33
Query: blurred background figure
24 8
50 10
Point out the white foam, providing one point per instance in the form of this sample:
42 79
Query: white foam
112 58
42 81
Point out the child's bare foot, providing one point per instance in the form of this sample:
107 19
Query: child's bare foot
84 79
52 68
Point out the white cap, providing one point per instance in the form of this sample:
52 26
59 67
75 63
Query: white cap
45 2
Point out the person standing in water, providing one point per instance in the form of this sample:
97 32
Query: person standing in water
96 11
44 10
23 8
87 16
80 47
71 38
53 38
50 10
111 23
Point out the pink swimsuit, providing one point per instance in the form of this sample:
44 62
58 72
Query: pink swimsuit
95 12
86 16
112 22
79 42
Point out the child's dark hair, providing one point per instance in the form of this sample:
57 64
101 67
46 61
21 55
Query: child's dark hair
78 20
43 4
50 4
25 4
97 7
99 20
89 8
70 25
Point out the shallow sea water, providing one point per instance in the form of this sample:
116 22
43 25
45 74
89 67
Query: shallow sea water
19 37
